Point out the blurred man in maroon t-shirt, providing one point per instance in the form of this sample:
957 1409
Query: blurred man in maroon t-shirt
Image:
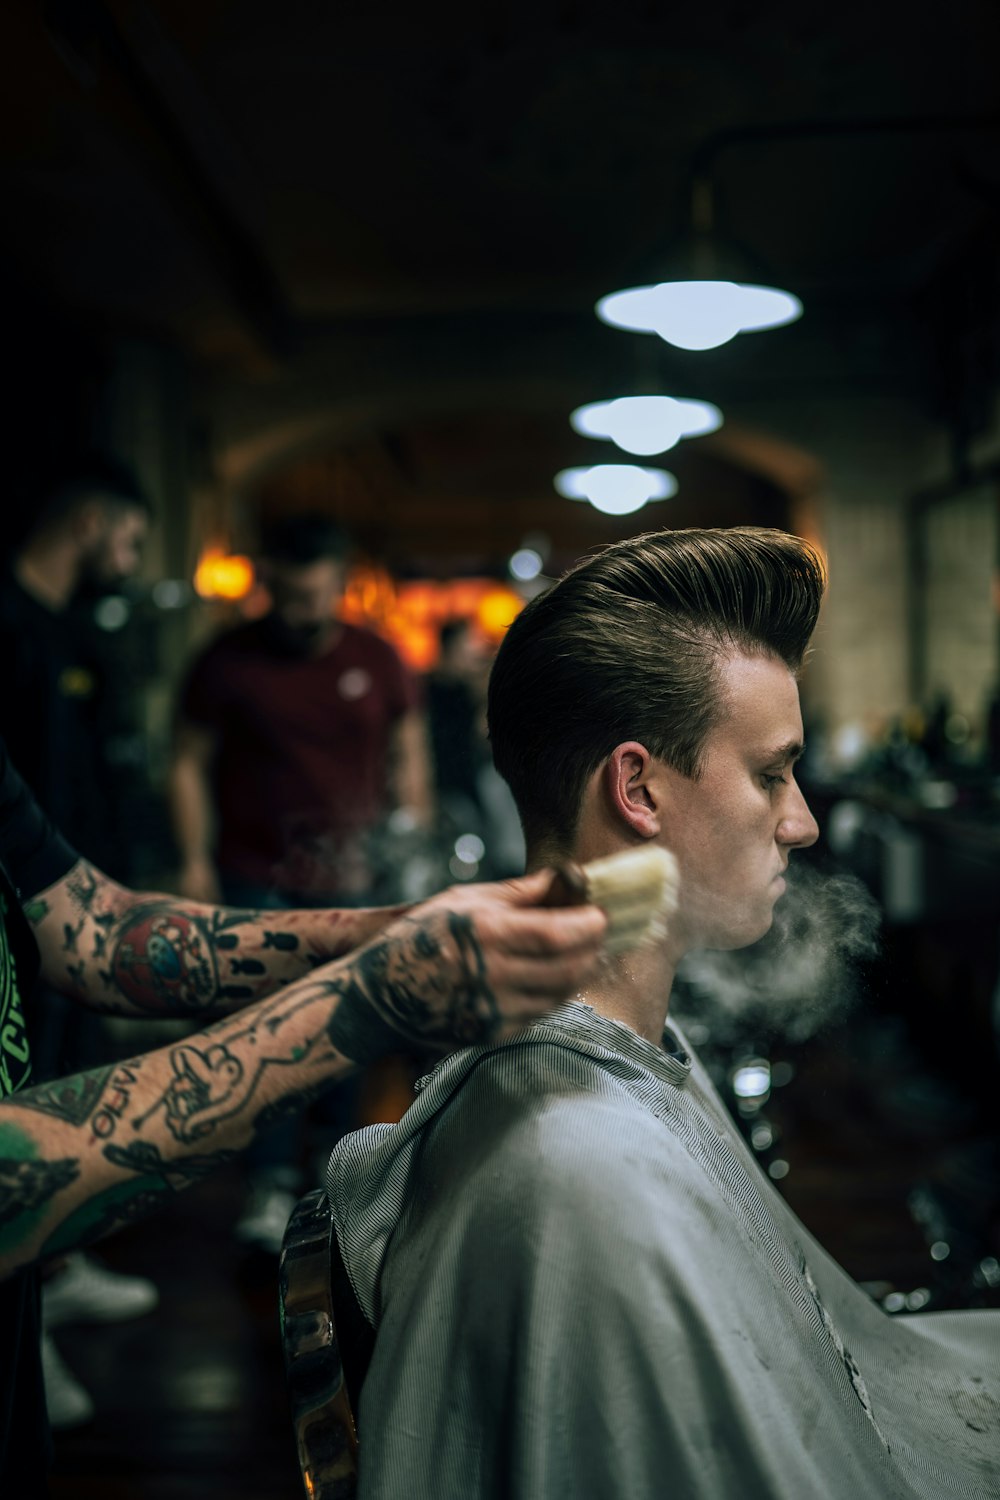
296 735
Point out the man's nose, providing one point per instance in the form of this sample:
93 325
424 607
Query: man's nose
798 828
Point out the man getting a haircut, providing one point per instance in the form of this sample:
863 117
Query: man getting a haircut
580 1281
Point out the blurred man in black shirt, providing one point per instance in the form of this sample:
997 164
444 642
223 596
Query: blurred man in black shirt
88 520
81 537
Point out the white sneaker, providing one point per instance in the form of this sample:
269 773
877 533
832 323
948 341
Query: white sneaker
84 1291
262 1224
68 1403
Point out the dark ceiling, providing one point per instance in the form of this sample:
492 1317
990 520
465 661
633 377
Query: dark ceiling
415 207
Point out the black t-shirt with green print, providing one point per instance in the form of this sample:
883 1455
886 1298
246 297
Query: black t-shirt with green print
32 856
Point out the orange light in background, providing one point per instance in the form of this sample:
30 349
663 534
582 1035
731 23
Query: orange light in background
221 575
423 603
464 595
496 610
411 614
369 596
418 648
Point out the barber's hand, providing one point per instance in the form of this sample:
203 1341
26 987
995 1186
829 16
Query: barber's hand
471 965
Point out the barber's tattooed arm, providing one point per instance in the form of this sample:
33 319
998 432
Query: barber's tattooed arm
85 1154
151 954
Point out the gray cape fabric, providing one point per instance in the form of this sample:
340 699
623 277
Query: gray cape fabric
584 1287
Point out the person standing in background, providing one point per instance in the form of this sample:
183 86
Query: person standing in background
89 519
296 734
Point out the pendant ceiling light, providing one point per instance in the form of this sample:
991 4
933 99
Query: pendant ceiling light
701 298
646 424
616 489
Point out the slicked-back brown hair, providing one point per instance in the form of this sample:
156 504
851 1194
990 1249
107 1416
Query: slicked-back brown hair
627 646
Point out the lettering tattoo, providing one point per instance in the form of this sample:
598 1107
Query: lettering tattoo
115 1100
425 987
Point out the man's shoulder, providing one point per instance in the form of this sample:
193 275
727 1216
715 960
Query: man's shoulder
534 1142
360 642
556 1170
546 1121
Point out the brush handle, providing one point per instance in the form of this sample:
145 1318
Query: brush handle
569 886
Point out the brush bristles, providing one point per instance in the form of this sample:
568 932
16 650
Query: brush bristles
638 889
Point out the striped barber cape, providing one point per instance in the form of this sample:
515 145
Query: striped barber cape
585 1287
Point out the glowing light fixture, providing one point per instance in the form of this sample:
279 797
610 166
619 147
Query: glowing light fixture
171 593
646 424
496 610
223 576
702 301
698 314
752 1079
616 489
112 612
525 564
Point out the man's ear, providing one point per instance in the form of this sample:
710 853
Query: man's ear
632 788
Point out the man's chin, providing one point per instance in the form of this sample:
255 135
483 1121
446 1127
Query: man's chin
744 936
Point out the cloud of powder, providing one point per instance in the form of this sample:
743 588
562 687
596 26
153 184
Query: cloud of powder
800 977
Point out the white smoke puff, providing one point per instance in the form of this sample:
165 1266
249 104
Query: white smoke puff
801 976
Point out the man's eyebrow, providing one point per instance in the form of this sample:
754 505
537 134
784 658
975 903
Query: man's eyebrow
784 755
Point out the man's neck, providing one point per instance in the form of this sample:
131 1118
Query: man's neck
49 571
634 989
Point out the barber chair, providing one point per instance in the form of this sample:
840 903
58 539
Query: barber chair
327 1344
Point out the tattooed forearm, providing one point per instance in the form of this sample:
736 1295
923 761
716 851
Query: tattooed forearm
212 1083
85 1154
160 955
428 988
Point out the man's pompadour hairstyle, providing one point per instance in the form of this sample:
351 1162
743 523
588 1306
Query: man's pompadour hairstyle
626 646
